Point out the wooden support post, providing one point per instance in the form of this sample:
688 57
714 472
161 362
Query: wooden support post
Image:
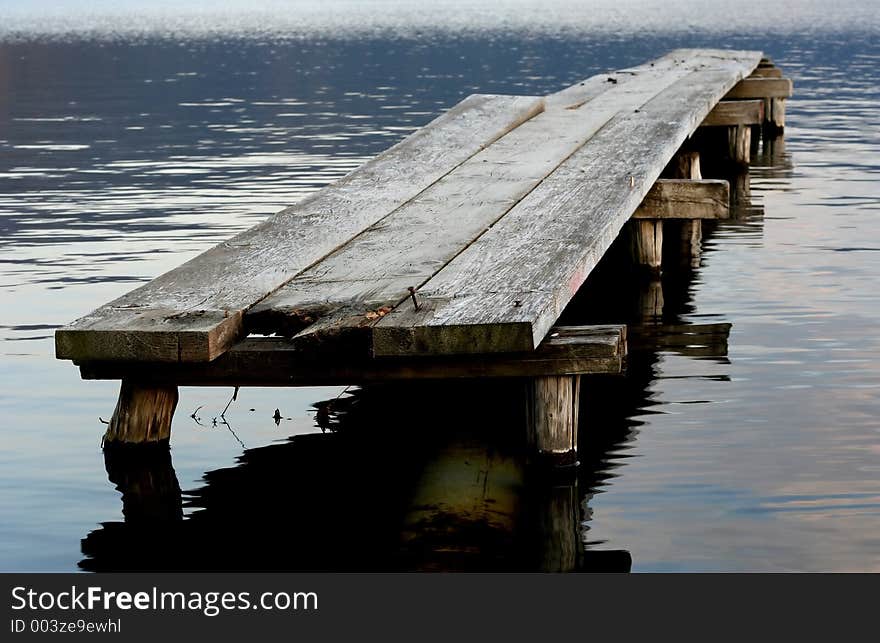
739 142
553 418
684 165
142 415
774 116
691 234
646 242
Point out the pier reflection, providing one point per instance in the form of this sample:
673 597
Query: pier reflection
431 476
424 476
386 486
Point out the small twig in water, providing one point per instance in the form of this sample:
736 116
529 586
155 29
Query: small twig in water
196 417
234 397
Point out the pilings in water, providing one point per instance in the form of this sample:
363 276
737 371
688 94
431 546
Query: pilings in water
752 112
143 414
686 165
552 416
646 242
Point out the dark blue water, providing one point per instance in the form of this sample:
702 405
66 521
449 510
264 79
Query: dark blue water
133 138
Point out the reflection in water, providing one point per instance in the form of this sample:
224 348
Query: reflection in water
376 491
129 146
388 485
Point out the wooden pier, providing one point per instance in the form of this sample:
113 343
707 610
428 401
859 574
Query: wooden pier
452 254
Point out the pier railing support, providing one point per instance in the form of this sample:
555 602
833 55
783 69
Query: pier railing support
143 414
553 418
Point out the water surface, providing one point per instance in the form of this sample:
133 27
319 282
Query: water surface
134 136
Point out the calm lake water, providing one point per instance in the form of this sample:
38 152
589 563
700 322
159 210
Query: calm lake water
135 135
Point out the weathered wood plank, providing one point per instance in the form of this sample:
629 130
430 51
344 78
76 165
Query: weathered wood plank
761 88
505 291
686 199
576 95
735 112
194 312
270 361
351 288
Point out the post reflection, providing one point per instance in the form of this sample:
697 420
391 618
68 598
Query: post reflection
375 491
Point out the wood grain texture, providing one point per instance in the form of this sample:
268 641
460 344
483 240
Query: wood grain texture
271 361
677 60
774 116
646 243
739 144
350 289
686 165
454 212
505 291
686 199
735 112
194 312
553 416
761 88
143 413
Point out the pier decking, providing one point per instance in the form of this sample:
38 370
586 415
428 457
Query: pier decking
452 254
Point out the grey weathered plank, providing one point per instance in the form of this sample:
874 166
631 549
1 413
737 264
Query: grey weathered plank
270 361
194 312
735 112
686 199
761 88
349 290
576 95
505 291
374 271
